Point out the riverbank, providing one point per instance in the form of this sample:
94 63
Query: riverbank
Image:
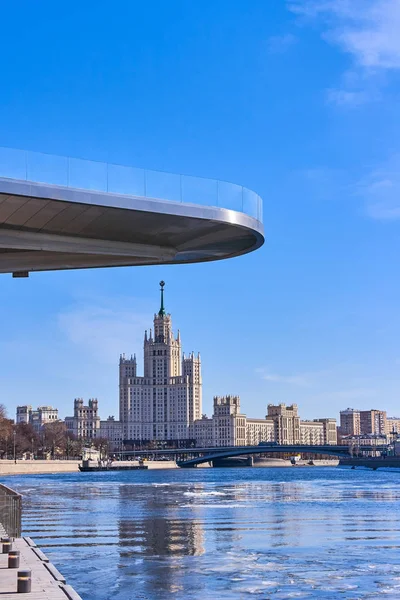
374 463
37 467
26 467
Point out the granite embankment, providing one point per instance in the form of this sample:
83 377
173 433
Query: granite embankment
392 462
26 467
29 467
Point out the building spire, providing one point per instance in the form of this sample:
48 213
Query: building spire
161 312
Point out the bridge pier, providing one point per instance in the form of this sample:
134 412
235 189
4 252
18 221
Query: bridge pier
250 461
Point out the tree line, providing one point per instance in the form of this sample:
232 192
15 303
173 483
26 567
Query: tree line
52 441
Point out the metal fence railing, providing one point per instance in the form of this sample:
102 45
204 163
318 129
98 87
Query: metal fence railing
10 511
118 179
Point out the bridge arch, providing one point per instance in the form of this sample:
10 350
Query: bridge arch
242 451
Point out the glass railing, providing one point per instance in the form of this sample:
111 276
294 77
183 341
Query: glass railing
118 179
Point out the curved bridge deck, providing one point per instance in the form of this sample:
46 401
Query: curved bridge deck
64 213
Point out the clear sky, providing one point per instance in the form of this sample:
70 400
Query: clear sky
296 100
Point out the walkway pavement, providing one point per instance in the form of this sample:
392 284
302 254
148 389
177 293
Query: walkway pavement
47 582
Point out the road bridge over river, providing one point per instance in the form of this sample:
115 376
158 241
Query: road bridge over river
191 457
216 454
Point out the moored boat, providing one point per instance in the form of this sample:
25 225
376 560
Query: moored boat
85 467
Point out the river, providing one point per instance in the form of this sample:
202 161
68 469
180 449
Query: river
301 532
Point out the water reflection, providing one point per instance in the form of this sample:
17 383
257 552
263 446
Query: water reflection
160 537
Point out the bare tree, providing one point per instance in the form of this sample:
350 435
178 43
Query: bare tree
55 437
6 433
25 437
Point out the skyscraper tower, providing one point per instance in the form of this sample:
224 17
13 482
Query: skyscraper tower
164 403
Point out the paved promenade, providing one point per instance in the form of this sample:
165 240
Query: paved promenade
47 582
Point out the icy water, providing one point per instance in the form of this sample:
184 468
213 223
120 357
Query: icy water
220 533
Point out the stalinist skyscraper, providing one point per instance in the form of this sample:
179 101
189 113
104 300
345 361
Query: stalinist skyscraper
165 402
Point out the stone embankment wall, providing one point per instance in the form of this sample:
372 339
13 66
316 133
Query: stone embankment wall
24 467
372 463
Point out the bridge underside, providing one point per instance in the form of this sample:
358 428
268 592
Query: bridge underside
44 227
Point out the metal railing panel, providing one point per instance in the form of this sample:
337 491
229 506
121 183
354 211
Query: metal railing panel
10 511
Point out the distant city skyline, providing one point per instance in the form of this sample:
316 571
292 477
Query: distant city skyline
137 360
164 410
350 420
114 407
277 96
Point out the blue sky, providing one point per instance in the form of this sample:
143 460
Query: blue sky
296 100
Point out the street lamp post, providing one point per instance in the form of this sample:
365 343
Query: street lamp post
15 456
32 448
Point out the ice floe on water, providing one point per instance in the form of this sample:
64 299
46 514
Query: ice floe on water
200 494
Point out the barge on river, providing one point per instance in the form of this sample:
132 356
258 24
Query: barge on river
85 467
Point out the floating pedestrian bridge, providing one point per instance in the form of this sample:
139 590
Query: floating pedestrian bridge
217 454
65 213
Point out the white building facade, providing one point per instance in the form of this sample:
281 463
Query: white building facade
282 425
163 404
112 430
85 424
37 418
23 413
204 432
259 430
229 423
